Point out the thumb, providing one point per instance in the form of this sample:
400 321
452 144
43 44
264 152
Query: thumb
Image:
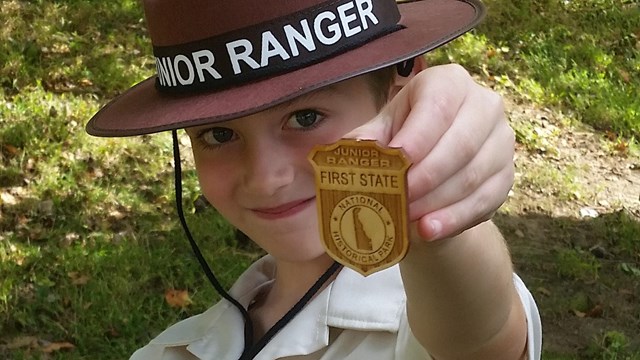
384 126
379 128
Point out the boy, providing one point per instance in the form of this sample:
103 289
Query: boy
256 84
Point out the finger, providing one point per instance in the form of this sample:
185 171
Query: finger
428 107
459 145
494 156
471 211
378 128
436 101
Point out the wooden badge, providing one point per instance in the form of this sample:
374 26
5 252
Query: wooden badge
361 194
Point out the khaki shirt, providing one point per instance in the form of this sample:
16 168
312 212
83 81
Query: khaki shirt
353 318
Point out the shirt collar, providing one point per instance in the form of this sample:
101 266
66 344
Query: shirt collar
351 301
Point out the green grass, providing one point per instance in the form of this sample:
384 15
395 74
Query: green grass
611 345
72 46
582 57
89 239
76 206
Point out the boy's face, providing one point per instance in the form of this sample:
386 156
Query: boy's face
254 170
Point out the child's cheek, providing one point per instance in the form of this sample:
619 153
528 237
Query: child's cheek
215 180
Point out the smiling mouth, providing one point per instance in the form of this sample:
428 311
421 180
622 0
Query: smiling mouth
284 210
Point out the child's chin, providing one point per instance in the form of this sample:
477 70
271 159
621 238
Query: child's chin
307 256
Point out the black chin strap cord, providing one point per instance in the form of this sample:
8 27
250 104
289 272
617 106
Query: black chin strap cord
248 324
250 350
291 313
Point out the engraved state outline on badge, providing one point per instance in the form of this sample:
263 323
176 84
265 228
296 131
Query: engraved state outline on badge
342 170
377 245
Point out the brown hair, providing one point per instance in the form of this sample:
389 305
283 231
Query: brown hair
379 82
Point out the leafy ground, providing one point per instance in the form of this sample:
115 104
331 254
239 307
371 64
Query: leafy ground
93 263
573 224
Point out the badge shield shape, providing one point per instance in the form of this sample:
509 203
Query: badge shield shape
361 197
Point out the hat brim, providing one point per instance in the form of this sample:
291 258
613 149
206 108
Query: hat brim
142 109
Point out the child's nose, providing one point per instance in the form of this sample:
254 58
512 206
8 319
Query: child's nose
270 167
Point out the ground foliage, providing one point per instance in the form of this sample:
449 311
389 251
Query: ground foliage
93 263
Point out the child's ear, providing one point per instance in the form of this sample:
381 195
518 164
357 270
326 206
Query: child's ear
399 81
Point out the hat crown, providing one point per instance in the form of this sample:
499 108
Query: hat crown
219 60
172 22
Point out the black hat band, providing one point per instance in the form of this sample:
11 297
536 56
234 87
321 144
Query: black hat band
273 47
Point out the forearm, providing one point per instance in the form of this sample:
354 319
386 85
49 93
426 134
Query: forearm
461 300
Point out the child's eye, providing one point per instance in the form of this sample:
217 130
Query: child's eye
304 119
217 135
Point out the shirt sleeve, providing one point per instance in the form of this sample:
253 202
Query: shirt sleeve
534 324
408 346
156 352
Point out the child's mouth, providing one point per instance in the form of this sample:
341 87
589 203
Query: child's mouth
284 210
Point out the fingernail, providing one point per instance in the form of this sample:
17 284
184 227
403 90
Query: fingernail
436 227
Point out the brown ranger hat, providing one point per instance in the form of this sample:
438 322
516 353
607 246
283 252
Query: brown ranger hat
218 60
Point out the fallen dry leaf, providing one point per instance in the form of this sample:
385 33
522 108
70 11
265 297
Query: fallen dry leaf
579 314
595 312
544 291
78 279
177 298
116 215
622 147
626 77
22 341
86 82
6 198
56 346
10 149
626 292
611 135
112 332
